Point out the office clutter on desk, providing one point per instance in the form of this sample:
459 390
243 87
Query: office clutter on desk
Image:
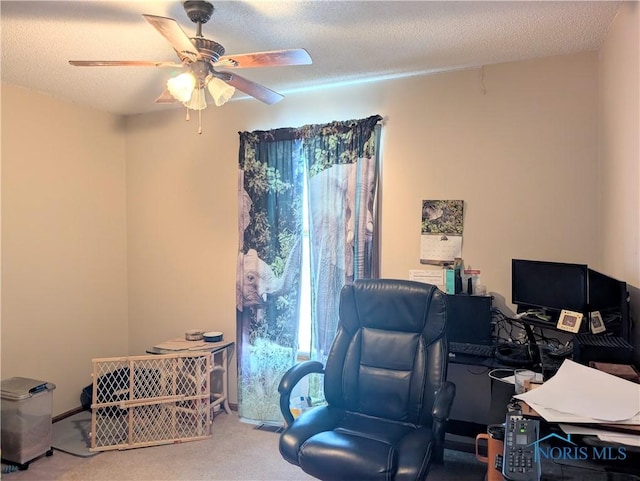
474 286
561 352
587 402
507 376
522 377
608 435
546 347
625 371
577 290
516 355
582 394
593 347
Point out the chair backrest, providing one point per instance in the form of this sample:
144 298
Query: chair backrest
389 355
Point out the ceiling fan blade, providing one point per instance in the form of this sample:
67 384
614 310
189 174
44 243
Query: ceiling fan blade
179 40
258 91
274 58
122 63
166 98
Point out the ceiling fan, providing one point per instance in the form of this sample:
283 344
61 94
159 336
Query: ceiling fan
202 58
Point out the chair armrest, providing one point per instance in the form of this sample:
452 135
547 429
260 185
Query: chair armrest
289 381
440 413
443 401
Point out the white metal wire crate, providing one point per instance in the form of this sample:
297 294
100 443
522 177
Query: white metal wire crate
150 400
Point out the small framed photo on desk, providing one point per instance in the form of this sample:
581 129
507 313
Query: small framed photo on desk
569 321
595 323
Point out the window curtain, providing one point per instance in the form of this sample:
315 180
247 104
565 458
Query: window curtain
339 164
342 159
270 191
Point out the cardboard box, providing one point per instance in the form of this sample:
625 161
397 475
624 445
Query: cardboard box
624 371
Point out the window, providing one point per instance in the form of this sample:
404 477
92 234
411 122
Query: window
304 322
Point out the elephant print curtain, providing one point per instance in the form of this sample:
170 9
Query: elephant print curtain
339 163
270 190
342 159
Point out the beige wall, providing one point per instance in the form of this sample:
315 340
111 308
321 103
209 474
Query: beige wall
620 145
64 286
517 142
619 183
519 145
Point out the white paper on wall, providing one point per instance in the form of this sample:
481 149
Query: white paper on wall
428 276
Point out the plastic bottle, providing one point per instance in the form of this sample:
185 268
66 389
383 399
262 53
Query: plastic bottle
298 406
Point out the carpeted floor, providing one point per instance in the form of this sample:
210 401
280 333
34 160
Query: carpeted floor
237 451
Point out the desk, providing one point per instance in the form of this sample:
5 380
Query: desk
172 346
479 400
573 458
585 465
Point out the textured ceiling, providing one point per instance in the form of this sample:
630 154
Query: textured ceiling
349 41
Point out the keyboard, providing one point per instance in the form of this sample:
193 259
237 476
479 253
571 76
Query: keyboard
465 348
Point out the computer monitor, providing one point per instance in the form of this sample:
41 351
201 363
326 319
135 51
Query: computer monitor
609 296
605 292
549 285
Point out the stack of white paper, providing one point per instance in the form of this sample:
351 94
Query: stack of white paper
580 394
586 392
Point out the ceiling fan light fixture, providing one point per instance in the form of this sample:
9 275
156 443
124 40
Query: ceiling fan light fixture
182 86
197 101
220 91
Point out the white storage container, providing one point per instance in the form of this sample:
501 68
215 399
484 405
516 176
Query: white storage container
26 419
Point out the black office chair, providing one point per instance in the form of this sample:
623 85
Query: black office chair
384 383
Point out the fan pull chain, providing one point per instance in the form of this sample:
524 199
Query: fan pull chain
188 118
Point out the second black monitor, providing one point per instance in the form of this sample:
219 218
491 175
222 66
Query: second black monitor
549 285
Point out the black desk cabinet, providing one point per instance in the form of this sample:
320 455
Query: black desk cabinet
479 400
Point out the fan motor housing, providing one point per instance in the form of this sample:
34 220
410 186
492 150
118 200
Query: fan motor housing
208 48
200 70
